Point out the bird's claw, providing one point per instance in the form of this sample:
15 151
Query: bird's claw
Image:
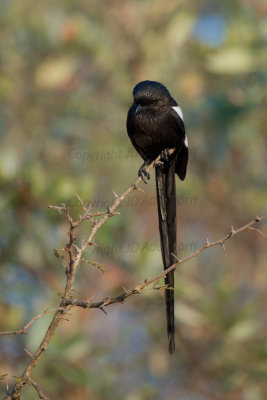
165 155
158 164
143 174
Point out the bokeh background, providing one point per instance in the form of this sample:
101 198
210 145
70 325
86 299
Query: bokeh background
67 70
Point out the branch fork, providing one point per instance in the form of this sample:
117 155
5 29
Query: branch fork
75 258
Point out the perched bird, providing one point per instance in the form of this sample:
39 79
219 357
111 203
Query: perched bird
155 125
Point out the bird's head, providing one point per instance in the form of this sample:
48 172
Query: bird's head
151 94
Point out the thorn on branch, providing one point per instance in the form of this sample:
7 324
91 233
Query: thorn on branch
27 352
259 231
102 309
87 215
176 258
111 213
59 209
57 255
156 286
135 187
82 203
223 246
232 232
77 248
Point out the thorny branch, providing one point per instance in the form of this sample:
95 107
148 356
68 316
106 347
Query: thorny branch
140 286
75 256
38 389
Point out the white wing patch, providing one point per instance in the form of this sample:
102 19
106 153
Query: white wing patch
179 112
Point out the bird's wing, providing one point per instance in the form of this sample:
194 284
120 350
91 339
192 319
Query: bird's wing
131 129
182 155
158 129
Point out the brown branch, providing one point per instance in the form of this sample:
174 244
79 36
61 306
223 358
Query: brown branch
75 255
140 286
38 389
260 232
116 203
75 259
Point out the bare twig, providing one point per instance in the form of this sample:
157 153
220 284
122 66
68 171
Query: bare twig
38 389
4 378
75 259
75 255
24 330
139 287
116 203
82 203
27 352
260 232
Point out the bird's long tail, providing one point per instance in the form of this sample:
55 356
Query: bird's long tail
166 196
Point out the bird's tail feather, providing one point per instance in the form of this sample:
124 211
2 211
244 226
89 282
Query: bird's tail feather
166 196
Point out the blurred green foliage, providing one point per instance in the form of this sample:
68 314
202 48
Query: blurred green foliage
66 75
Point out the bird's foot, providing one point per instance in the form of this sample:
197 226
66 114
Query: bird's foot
165 155
158 164
143 173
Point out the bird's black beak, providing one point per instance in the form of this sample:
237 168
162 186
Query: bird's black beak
138 108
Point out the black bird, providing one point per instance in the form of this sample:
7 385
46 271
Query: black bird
155 125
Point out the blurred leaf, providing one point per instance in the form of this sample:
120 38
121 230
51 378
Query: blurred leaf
188 315
244 330
54 73
231 60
